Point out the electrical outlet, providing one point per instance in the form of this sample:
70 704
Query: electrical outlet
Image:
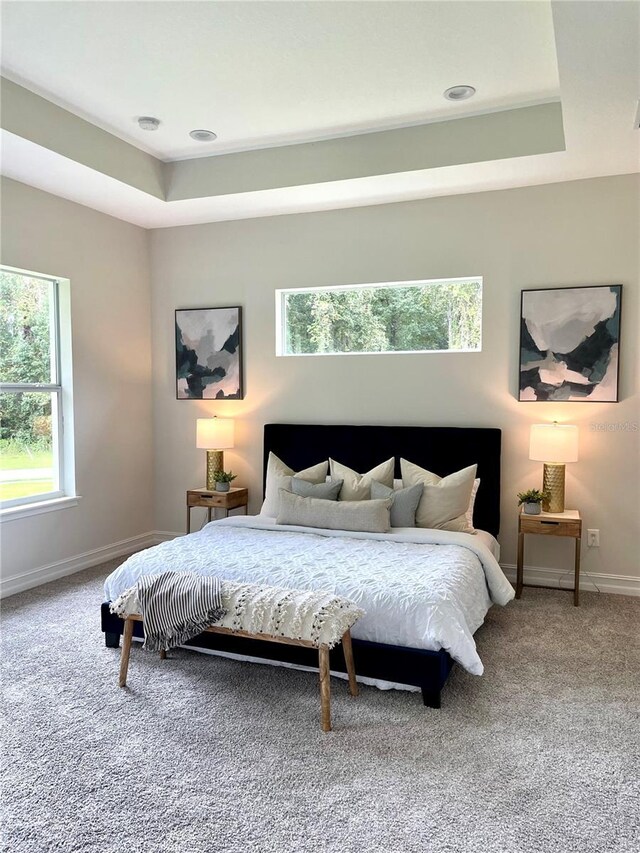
593 538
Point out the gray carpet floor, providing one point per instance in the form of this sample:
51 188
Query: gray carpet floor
203 754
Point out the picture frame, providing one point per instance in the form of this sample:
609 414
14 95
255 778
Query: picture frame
569 344
209 353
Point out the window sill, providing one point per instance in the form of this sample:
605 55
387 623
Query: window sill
15 512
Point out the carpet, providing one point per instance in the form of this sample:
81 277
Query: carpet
201 754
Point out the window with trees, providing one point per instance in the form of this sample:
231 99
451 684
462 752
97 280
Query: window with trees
32 391
411 316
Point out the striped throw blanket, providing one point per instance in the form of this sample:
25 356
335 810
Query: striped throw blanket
176 606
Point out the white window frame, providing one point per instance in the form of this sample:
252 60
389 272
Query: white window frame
281 315
62 406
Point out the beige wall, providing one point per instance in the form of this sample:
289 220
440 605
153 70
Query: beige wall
562 234
584 232
106 261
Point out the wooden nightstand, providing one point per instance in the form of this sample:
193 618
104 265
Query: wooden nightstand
567 523
232 499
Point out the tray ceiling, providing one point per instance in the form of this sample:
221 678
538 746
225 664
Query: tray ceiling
317 105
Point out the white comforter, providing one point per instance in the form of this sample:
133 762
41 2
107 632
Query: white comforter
425 589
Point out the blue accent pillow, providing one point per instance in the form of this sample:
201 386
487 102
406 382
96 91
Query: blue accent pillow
324 491
404 502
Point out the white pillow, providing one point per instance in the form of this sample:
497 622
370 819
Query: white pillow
445 500
397 486
472 501
357 487
369 516
279 477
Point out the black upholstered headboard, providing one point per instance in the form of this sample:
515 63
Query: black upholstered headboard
442 450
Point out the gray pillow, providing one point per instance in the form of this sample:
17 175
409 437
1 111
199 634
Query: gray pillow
370 516
404 502
324 491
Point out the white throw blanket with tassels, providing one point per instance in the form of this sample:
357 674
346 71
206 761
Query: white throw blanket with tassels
313 615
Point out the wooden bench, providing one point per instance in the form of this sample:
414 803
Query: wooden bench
323 661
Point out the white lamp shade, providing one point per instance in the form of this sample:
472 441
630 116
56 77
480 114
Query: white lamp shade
214 433
553 443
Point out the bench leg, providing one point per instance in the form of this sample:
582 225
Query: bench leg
325 689
124 654
347 649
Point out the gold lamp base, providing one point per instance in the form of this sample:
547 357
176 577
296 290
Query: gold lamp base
215 463
553 484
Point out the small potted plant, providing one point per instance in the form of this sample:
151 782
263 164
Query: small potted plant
532 500
223 480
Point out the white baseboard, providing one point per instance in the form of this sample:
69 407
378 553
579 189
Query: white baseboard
165 535
589 581
62 568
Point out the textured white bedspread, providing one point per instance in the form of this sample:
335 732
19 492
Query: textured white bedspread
425 589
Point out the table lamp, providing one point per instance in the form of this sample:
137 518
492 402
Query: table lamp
214 435
554 444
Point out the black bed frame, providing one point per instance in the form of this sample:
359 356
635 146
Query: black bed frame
442 450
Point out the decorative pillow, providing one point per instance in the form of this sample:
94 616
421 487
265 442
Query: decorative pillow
404 502
279 477
357 487
445 500
326 491
368 516
469 513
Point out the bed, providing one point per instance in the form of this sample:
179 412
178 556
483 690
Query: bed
406 579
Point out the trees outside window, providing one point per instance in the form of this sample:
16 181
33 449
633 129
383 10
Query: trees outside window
423 316
31 396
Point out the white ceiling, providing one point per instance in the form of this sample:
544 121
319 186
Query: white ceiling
597 53
264 73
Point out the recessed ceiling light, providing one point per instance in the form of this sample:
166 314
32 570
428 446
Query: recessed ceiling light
203 135
459 93
148 123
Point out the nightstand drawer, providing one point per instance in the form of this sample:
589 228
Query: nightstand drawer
225 500
550 527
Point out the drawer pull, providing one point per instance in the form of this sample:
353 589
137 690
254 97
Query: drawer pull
556 523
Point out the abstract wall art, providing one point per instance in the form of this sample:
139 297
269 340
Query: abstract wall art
209 354
569 339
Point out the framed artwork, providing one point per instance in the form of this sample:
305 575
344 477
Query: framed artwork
209 354
569 340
